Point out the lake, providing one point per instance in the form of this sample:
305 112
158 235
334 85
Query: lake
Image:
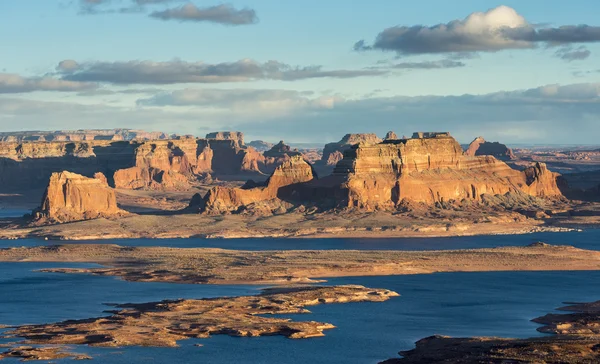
455 304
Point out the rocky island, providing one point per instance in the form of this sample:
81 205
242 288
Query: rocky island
576 340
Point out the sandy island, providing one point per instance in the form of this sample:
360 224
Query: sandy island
219 266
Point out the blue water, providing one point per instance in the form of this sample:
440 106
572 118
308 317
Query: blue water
456 304
4 213
588 239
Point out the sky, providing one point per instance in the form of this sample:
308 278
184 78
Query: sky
305 71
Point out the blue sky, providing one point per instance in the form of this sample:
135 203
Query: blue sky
524 72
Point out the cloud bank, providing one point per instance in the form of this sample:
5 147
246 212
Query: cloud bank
222 14
12 83
177 71
545 114
497 29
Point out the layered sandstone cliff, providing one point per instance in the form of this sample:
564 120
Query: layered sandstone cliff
80 135
432 169
284 184
479 146
70 197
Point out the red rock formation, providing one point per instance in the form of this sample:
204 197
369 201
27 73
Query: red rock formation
166 165
290 174
480 146
71 197
431 170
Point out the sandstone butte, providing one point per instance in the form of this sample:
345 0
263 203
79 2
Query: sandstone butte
71 197
429 168
479 146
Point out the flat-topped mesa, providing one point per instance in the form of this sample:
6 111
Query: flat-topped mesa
71 197
431 169
169 164
430 134
479 146
260 145
81 135
333 152
283 185
227 135
280 150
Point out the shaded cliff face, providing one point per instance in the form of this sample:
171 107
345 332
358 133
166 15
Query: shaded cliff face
283 185
480 146
29 165
70 197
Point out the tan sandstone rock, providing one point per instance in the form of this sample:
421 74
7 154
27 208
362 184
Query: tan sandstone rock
71 197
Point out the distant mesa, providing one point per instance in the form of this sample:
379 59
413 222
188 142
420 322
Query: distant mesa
227 135
479 146
280 149
71 197
260 145
390 136
80 135
429 135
